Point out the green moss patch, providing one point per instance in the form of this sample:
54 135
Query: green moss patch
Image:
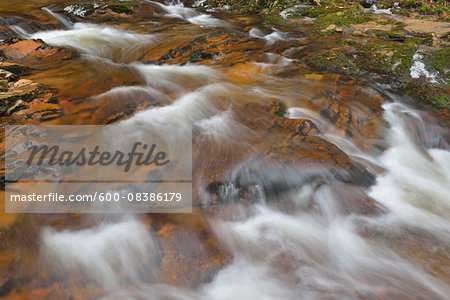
16 69
343 18
385 4
386 57
441 100
335 61
410 4
126 8
439 9
277 20
314 11
254 6
339 13
4 86
441 61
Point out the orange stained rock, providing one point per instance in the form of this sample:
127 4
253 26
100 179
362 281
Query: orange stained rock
190 254
33 53
222 48
314 76
6 220
43 107
20 49
248 72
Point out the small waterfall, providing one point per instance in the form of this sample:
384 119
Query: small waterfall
176 9
58 17
98 40
315 254
102 254
416 184
172 78
19 30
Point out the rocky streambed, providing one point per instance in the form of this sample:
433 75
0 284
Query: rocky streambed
320 147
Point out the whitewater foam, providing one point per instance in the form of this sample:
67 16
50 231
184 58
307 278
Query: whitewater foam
176 9
222 128
99 40
58 17
271 38
102 253
172 78
418 69
416 184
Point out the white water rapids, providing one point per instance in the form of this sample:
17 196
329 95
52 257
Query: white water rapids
275 253
176 9
288 255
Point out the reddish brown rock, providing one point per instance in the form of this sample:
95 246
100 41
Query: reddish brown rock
44 107
32 53
190 255
187 260
103 11
356 112
225 47
285 154
267 127
25 101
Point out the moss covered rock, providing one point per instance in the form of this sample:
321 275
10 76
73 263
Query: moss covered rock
441 62
344 17
385 57
335 61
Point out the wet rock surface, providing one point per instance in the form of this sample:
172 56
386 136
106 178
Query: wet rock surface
370 43
26 101
102 11
11 26
293 156
339 69
223 46
32 53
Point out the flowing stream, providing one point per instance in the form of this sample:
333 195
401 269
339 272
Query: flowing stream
380 234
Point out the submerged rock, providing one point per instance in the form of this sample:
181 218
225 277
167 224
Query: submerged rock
16 68
189 255
289 154
23 100
222 46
